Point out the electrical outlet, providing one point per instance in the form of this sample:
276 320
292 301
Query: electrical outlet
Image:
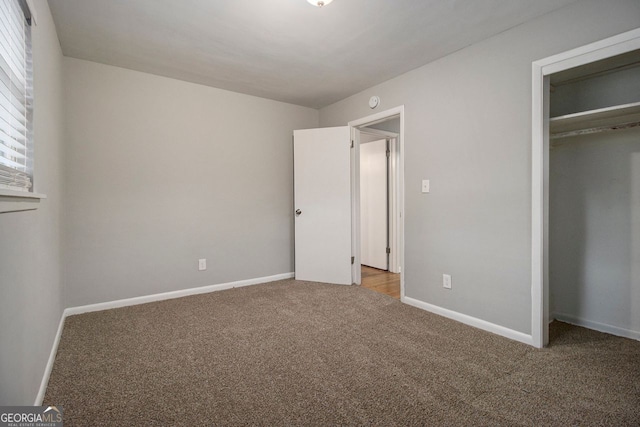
202 264
446 281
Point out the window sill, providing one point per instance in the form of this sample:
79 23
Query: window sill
16 201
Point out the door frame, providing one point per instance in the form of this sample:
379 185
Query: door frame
398 168
542 70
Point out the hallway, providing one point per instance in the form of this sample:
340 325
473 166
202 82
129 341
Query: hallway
381 281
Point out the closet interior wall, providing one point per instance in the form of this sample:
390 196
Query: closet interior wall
594 207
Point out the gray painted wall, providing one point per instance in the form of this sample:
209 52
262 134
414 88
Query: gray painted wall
605 91
365 137
30 242
162 172
594 228
392 125
468 130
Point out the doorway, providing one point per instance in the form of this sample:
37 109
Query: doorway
326 211
376 233
377 204
583 59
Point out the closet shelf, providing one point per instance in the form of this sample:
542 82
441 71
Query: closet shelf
600 120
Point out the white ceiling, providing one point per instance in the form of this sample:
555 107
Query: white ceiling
285 50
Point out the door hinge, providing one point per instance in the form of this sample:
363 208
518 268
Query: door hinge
388 250
388 154
353 260
352 143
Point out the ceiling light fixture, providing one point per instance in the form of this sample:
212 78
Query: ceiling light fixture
319 3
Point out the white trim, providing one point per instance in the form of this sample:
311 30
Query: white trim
597 326
394 210
541 70
140 300
174 294
355 179
378 117
471 321
16 201
378 132
52 358
602 49
5 192
356 238
539 191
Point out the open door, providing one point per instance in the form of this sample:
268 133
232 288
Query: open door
322 200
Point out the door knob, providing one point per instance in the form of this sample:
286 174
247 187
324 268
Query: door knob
298 212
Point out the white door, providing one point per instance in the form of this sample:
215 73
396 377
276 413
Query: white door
322 200
373 204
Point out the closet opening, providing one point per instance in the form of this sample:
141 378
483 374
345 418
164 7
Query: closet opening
594 196
586 190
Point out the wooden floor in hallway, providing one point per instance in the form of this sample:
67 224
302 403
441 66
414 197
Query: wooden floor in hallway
381 281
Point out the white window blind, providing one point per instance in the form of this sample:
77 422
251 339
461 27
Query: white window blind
16 96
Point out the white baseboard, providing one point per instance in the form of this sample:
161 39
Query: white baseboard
597 326
49 367
174 294
471 321
141 300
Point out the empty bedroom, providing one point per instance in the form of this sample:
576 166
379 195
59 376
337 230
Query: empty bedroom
304 212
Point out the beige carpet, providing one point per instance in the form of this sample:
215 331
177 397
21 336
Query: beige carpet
299 353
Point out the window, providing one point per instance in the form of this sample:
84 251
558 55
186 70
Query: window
16 96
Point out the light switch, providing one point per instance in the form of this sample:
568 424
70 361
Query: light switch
425 185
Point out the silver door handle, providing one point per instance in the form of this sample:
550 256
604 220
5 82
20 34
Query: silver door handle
298 212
